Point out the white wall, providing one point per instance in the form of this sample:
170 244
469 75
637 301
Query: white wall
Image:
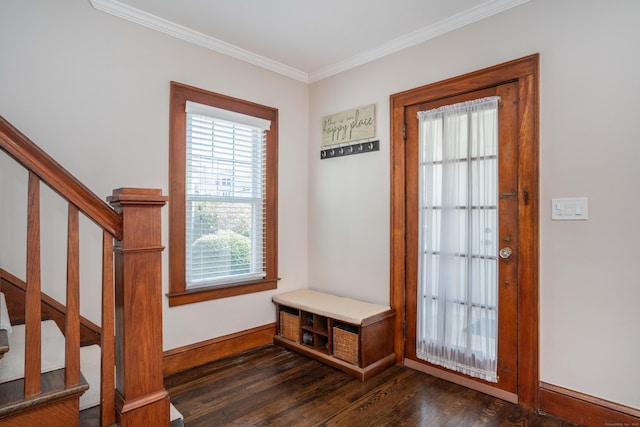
589 146
93 91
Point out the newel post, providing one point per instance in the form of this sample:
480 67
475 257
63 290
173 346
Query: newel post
141 399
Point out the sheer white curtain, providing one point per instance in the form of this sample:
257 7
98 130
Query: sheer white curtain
458 221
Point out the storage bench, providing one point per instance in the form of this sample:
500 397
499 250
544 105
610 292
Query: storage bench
353 336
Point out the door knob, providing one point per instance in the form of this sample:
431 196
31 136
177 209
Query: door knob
505 253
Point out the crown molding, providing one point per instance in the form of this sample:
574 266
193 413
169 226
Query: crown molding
148 20
459 20
454 22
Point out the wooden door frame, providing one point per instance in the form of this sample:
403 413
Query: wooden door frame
525 72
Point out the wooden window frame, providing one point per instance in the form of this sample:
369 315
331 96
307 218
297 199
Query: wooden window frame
178 292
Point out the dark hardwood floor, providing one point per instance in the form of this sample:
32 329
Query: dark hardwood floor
271 386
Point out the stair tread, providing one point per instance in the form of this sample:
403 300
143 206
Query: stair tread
5 326
52 388
12 364
90 367
53 362
4 342
5 323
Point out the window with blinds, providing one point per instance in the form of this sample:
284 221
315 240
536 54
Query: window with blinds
224 197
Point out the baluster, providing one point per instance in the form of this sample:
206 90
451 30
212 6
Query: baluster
33 352
72 326
107 378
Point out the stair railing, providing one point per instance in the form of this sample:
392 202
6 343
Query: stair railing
131 338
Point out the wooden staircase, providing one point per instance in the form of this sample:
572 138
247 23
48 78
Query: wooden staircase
16 410
128 343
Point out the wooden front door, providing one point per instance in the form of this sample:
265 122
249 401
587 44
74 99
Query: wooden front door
507 209
517 221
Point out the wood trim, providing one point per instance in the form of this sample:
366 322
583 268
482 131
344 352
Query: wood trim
29 155
584 409
463 381
15 289
525 72
57 405
62 412
190 356
476 80
179 94
151 409
528 235
205 294
398 226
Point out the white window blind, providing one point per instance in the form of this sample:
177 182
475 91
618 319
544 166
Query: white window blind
225 196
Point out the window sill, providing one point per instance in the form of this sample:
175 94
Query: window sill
223 291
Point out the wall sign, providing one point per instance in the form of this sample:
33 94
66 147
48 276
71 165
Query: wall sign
352 125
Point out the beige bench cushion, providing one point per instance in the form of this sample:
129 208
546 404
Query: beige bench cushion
339 308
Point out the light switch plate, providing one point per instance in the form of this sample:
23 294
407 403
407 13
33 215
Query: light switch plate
572 209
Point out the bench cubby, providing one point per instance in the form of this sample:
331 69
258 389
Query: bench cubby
353 336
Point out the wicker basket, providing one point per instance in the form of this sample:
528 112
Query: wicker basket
290 326
345 345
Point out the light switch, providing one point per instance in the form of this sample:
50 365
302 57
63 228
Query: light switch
569 209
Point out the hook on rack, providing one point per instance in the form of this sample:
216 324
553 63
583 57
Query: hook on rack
356 148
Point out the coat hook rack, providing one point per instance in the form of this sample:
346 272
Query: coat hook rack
346 150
